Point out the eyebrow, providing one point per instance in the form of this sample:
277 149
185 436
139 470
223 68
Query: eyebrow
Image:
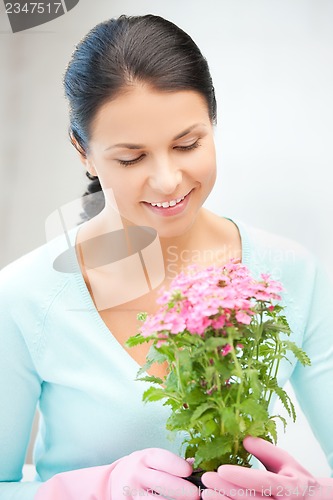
141 146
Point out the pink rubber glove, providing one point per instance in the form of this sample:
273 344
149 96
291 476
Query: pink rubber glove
284 477
143 473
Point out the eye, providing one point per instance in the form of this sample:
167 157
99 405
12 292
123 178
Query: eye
195 145
126 163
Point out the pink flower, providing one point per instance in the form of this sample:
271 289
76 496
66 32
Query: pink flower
226 349
219 322
153 323
210 391
197 323
243 317
174 322
190 460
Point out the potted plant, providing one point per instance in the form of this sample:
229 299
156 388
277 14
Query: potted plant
223 335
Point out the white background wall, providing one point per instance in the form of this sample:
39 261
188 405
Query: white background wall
272 65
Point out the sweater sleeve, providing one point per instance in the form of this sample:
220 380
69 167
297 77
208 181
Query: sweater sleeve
313 385
20 388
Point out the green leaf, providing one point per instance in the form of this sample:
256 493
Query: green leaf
190 451
279 324
255 385
205 425
215 342
265 350
254 409
171 402
285 400
191 340
256 428
214 449
179 420
200 410
152 379
164 352
210 428
283 420
153 394
194 441
142 316
224 368
299 354
137 339
271 428
185 361
155 355
195 396
172 382
229 421
143 369
241 424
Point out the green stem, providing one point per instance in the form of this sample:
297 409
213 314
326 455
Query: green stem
220 407
260 331
256 345
171 396
177 369
239 373
276 354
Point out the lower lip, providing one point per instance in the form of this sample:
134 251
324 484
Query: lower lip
168 212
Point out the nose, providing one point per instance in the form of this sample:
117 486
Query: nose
165 177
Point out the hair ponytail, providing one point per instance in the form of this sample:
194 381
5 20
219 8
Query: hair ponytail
92 205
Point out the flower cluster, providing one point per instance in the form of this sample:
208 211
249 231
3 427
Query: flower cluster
210 297
223 336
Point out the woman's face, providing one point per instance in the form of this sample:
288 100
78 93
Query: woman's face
156 151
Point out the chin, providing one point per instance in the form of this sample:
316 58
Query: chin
174 231
164 234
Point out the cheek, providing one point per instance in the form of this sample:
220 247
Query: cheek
116 180
206 165
115 190
123 191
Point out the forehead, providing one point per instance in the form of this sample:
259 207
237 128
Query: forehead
141 112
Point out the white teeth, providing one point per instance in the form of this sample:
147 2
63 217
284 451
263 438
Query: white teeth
167 204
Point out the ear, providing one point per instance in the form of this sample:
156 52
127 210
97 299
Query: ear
89 166
82 155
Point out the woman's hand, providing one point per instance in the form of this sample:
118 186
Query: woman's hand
151 472
284 477
145 473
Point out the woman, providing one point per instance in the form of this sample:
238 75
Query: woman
142 110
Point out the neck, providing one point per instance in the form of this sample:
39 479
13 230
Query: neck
189 247
204 243
188 240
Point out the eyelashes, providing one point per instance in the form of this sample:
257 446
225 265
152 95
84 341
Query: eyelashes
131 162
195 145
127 163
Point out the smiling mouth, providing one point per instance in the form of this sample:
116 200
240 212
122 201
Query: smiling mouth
167 204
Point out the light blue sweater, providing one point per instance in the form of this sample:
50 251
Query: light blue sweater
57 354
